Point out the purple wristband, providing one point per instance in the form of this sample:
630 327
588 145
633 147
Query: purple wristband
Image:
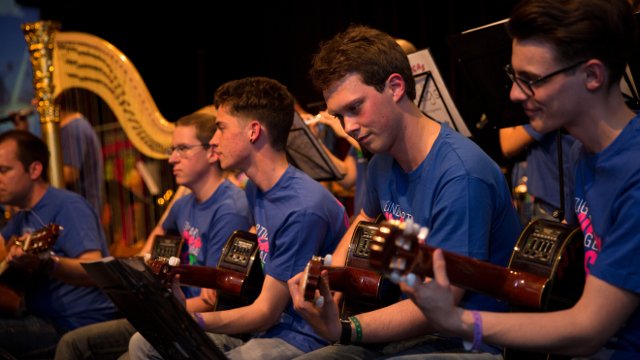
477 331
199 319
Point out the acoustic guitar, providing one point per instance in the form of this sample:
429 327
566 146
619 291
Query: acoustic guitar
545 271
363 288
238 276
11 279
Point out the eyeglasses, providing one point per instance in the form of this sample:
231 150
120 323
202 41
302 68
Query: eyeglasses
182 149
526 86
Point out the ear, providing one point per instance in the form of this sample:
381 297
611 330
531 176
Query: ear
596 74
254 131
396 84
35 170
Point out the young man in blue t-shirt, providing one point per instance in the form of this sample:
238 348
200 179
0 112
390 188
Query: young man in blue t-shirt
421 170
567 61
205 217
59 296
295 218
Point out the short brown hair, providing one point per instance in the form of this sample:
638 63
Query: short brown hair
264 99
370 53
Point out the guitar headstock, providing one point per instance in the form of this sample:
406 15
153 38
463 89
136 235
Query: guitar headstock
394 249
311 279
162 266
41 239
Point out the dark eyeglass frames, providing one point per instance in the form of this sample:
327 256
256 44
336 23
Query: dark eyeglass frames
526 86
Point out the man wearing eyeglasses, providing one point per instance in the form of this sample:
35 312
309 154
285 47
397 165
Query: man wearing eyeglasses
567 61
204 218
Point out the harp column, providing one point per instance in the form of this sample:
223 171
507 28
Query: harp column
40 40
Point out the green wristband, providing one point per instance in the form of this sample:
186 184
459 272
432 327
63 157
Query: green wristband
358 327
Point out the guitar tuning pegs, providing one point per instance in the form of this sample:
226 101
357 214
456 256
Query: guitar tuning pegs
174 261
395 277
328 259
422 234
410 279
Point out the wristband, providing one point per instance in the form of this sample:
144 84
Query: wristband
199 319
345 334
358 327
477 333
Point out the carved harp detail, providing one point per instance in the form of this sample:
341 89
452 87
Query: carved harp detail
81 60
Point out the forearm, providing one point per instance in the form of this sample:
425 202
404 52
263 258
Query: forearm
241 320
400 321
69 270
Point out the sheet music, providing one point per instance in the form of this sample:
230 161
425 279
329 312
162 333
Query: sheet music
434 100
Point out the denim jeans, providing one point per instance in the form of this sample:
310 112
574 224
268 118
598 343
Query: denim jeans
102 341
234 348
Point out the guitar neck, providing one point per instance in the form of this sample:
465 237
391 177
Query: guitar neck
354 281
225 280
515 287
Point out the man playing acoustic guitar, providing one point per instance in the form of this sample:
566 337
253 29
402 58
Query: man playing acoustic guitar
205 218
295 218
58 292
567 61
423 171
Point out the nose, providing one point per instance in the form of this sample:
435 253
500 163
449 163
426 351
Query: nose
351 127
214 140
173 157
516 94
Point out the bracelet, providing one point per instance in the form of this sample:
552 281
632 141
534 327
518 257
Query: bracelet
199 319
477 333
358 327
345 334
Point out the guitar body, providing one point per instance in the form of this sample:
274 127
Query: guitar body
364 289
387 292
555 251
238 277
12 280
545 273
240 254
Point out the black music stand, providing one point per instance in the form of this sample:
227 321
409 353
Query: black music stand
305 152
152 309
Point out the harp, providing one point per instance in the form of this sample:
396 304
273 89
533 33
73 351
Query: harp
113 97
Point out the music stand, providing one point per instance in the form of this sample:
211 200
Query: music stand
432 95
305 153
152 309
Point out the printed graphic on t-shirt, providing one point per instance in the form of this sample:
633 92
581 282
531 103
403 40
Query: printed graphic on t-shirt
263 242
191 236
393 211
592 242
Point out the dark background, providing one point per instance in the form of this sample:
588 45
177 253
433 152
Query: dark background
185 49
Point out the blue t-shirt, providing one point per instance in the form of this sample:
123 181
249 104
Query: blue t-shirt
459 193
295 219
206 226
607 200
67 305
81 149
542 170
